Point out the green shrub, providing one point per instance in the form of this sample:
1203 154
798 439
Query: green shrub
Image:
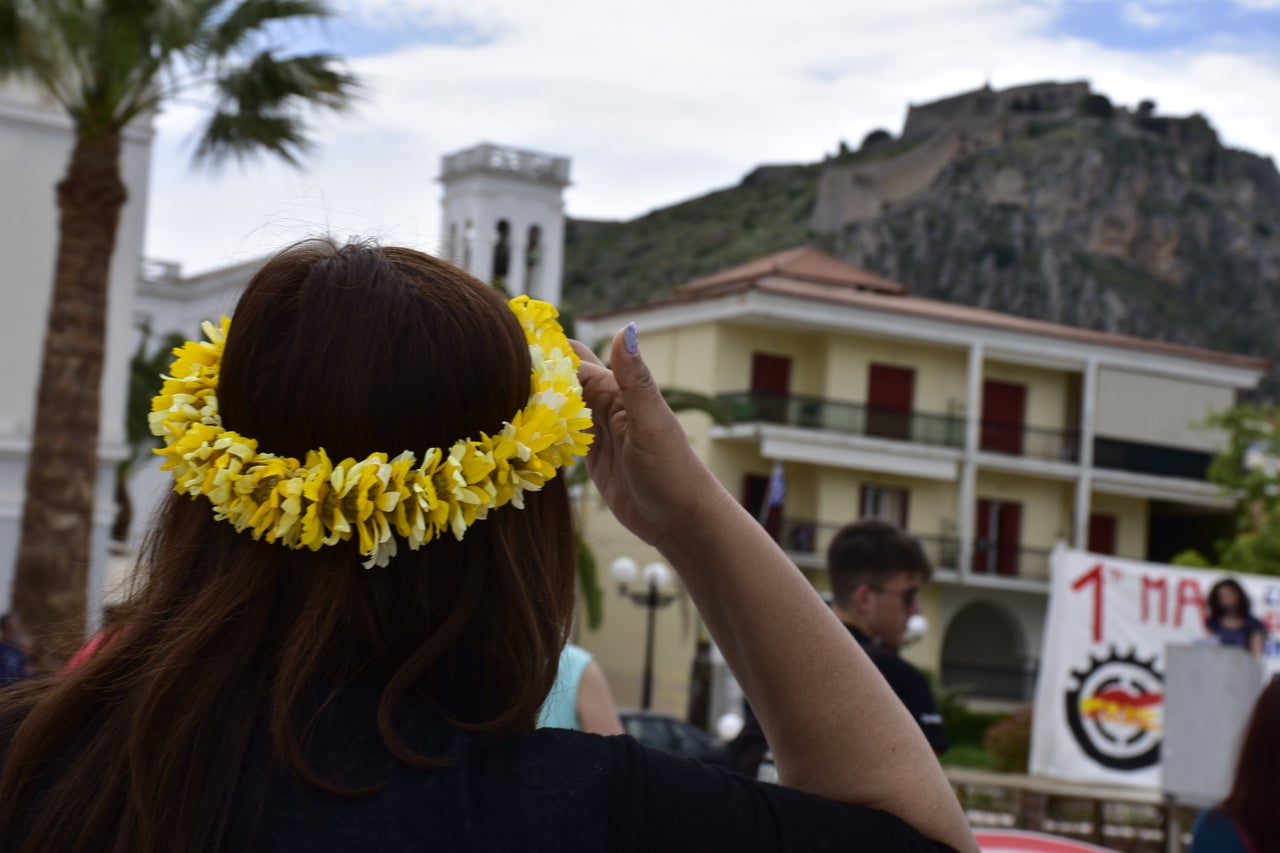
1009 742
964 727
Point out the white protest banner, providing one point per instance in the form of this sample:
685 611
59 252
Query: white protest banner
1100 691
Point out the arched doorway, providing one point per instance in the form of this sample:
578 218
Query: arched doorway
983 649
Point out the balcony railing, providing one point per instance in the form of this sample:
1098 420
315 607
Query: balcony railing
992 559
1009 560
849 418
1015 439
805 536
989 681
1155 459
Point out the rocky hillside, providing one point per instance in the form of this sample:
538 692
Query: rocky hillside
1077 213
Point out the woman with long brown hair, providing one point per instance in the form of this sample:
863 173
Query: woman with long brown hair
1247 821
351 608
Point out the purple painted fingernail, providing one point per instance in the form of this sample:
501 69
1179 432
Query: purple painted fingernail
631 338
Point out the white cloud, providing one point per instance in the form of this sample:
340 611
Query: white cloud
656 103
1144 16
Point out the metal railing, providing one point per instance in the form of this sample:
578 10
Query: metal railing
990 681
1009 559
811 412
849 418
1140 458
1016 439
808 536
1131 820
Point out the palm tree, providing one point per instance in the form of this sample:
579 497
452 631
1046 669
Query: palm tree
109 63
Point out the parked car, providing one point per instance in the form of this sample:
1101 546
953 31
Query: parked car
670 734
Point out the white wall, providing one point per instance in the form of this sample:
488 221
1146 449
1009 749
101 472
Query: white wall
35 143
169 303
1159 409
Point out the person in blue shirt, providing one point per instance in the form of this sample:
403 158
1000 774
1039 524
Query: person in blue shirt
15 664
1231 618
580 699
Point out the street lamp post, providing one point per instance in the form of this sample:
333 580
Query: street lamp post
652 595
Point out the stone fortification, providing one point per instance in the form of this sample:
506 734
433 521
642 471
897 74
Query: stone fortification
987 106
933 136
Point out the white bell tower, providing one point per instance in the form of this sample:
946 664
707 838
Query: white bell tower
504 217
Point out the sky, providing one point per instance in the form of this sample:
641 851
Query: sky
658 102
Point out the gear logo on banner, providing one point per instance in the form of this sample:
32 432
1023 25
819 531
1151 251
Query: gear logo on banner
1115 710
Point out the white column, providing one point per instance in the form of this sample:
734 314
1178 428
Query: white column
1084 484
516 285
969 465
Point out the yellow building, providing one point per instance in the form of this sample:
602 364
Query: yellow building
990 437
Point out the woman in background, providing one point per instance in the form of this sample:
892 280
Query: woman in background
351 609
1231 618
580 699
1248 820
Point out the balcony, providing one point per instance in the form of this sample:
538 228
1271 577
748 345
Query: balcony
1002 559
805 537
1016 439
1012 439
1140 458
849 418
801 536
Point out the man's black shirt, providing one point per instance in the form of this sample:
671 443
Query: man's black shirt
910 685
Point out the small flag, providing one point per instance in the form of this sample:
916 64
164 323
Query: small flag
776 492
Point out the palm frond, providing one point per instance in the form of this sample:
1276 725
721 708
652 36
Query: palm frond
681 400
244 136
269 82
249 18
261 105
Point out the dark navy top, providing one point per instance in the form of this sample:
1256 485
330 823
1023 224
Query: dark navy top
549 790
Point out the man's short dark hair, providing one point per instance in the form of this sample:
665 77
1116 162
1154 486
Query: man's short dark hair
873 552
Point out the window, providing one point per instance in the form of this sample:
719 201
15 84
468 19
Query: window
770 386
532 258
502 252
890 393
884 503
996 542
1004 407
755 488
1102 534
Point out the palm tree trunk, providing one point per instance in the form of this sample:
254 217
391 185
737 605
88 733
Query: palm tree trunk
52 569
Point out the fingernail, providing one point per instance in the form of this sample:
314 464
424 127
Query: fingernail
631 338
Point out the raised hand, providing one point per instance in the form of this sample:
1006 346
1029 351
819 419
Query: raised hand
641 460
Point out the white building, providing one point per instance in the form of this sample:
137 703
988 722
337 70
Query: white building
36 138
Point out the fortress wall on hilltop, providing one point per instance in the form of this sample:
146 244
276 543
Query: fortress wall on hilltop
987 104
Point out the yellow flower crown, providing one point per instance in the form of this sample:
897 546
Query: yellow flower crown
316 503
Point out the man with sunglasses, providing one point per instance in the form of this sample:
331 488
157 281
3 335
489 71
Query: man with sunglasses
876 572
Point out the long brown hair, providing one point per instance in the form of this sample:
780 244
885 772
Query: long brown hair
1256 788
355 349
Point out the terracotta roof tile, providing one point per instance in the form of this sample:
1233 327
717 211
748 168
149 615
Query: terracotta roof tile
967 315
809 273
803 263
